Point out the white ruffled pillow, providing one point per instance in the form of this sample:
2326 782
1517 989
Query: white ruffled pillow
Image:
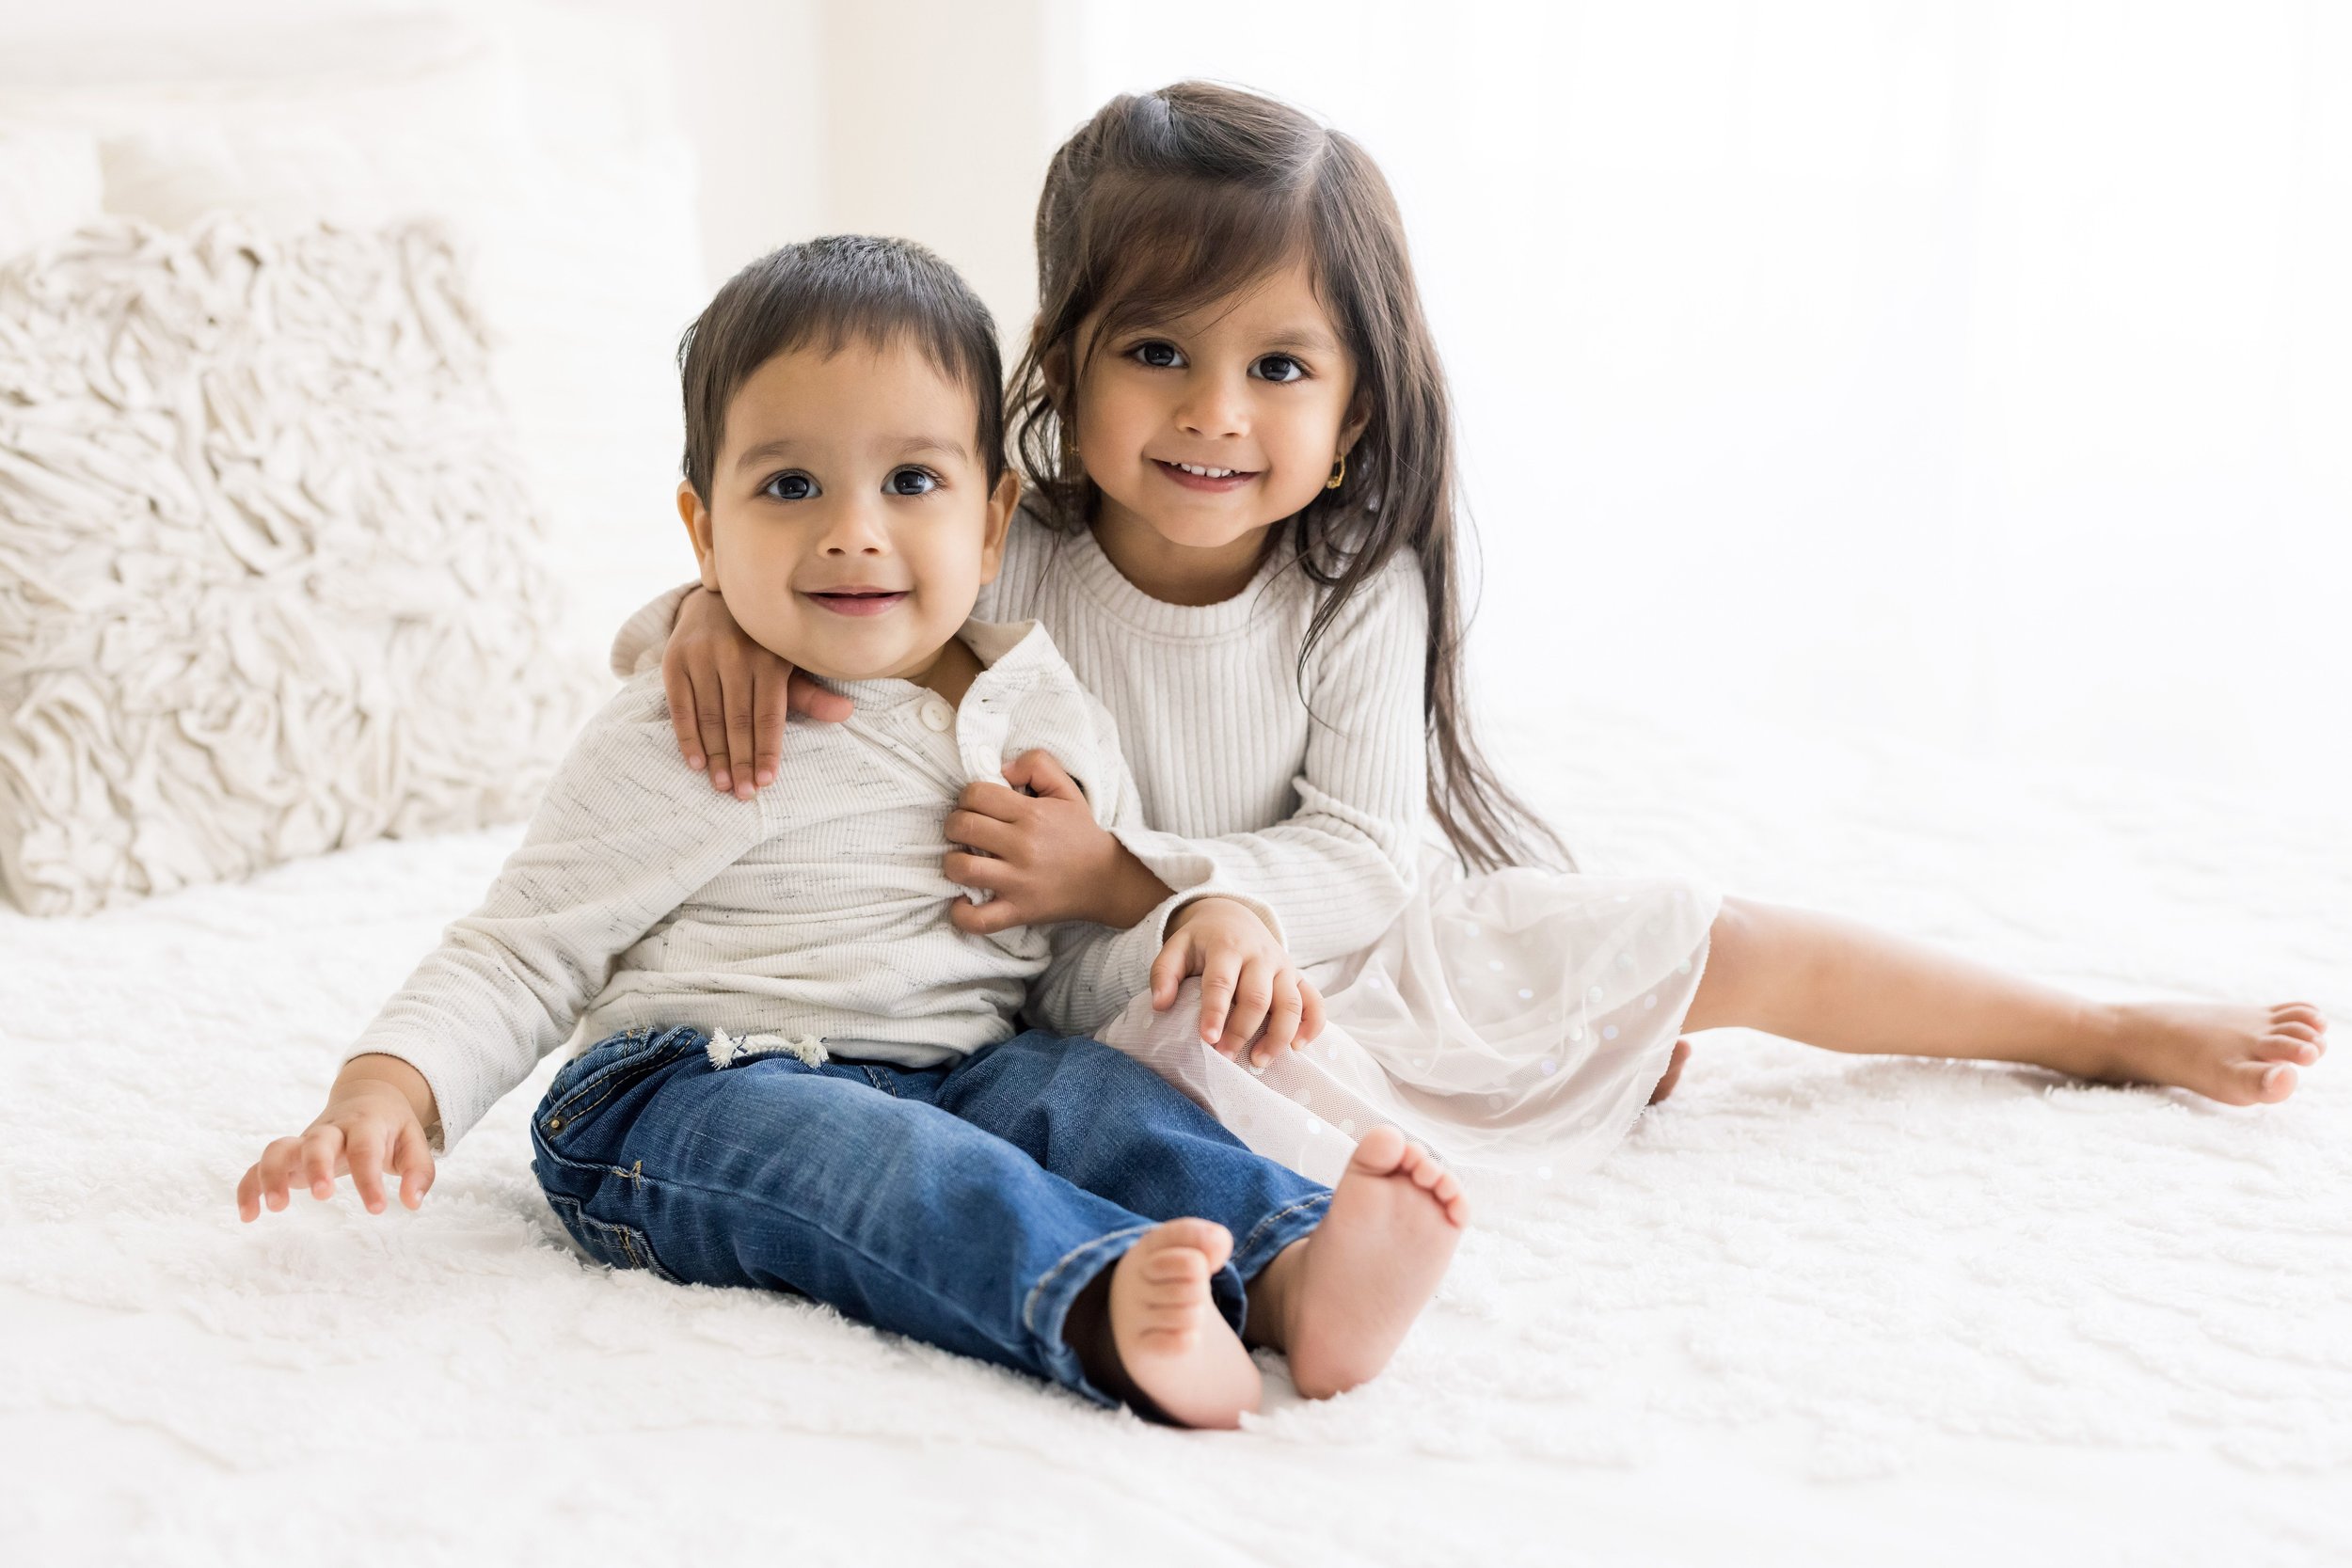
270 581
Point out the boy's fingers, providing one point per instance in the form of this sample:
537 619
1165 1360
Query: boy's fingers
413 1158
249 1193
364 1154
1217 977
681 694
277 1159
319 1147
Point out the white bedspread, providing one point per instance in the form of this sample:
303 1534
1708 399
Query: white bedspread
1816 1309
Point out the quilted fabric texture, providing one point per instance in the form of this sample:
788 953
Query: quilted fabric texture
270 579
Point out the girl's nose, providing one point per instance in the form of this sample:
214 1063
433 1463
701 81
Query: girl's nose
1214 406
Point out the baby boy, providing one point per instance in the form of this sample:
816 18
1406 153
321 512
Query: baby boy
796 1073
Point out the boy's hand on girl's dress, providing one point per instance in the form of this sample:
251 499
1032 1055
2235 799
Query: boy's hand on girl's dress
729 696
1042 856
1247 980
373 1124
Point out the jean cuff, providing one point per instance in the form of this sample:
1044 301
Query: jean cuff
1266 1240
1046 1312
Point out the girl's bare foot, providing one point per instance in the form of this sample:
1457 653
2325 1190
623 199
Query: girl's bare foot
1343 1297
1171 1343
2235 1053
1674 1072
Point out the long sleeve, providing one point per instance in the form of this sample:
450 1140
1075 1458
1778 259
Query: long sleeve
1095 970
1338 869
620 839
644 634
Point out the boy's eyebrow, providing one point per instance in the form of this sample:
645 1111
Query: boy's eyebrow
906 446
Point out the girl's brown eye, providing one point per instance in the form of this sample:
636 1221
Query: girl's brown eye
1158 355
1279 368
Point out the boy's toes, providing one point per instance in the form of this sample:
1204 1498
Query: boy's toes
1381 1151
2281 1046
2300 1012
2262 1083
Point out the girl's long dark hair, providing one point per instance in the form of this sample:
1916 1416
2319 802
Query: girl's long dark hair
1168 201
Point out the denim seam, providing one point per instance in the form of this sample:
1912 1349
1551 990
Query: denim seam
1257 1233
843 1241
1058 1352
613 1079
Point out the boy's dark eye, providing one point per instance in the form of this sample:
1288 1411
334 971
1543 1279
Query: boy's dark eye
910 482
790 487
1279 367
1158 355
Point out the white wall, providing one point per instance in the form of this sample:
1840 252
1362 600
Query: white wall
1979 372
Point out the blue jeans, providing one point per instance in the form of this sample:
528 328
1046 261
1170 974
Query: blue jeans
966 1205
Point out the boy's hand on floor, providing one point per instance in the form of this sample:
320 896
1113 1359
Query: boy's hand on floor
372 1125
1247 981
729 696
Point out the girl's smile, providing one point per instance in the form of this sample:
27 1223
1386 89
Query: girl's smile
1201 477
1203 431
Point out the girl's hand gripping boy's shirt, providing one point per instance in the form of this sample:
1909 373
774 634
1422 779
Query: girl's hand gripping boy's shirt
374 1124
1247 980
729 697
1042 855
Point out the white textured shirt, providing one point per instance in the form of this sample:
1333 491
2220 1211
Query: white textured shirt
640 897
1305 789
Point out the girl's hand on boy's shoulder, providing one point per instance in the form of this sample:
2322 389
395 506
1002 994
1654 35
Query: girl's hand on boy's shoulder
1042 856
1248 980
729 696
370 1127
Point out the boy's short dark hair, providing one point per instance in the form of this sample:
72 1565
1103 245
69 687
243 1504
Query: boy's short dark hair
829 291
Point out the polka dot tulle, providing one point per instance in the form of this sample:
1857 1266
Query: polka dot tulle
1515 1021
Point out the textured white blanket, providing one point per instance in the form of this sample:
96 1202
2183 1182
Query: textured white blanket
1816 1309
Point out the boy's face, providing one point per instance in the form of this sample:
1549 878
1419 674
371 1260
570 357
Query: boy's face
850 523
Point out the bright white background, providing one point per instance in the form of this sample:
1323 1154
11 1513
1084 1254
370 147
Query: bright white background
1973 374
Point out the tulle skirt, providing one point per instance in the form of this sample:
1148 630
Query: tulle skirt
1514 1021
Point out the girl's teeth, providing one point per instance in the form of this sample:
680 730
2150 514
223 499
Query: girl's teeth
1208 473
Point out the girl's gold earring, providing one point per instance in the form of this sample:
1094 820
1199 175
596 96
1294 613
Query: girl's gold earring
1339 472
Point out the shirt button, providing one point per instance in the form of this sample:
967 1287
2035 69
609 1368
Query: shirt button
937 715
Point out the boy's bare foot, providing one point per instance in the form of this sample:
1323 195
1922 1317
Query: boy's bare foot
1674 1072
2236 1053
1172 1344
1342 1298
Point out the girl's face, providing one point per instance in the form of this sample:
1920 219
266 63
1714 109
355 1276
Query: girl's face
1207 430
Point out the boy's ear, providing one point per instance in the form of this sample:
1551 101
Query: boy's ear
696 516
1002 502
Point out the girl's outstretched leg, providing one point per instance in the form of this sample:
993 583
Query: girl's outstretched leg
1843 986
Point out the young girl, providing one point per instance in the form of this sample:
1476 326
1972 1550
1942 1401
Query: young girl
1239 440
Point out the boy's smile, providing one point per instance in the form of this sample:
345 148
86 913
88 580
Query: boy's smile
850 523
